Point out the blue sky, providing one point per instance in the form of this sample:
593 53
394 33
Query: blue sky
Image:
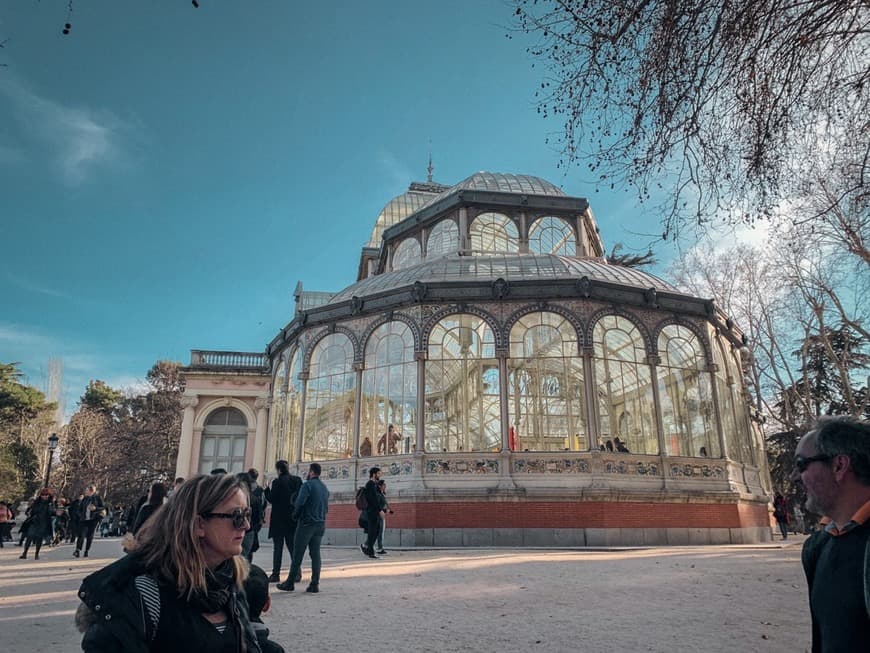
168 174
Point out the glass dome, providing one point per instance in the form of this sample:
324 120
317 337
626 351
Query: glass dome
501 183
396 210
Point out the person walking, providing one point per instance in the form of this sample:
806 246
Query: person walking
832 462
385 509
780 514
91 511
282 524
373 512
40 522
6 522
180 587
310 508
156 495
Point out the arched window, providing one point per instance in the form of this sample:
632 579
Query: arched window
686 395
626 407
443 239
493 233
275 448
732 406
462 387
223 441
389 393
329 399
407 254
293 409
545 385
551 235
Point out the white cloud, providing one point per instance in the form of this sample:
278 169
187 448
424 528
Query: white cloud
30 286
79 140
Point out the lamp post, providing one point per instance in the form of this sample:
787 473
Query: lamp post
52 445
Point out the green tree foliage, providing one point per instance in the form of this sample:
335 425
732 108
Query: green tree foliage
735 107
101 397
25 423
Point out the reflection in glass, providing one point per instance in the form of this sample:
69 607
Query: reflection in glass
623 386
389 392
462 387
545 385
329 399
443 239
407 254
551 235
686 395
732 405
493 233
293 408
275 449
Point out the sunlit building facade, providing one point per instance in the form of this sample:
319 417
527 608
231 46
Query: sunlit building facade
537 394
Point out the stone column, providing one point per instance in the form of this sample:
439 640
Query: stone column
504 413
421 400
300 445
357 409
258 459
464 240
185 444
592 430
524 233
654 362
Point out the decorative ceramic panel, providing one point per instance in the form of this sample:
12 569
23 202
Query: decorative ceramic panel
561 466
697 471
444 466
631 467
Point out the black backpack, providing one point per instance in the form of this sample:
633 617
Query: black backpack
360 502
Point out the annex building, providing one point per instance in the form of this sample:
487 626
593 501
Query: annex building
514 387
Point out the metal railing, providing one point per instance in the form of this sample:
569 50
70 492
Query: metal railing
228 359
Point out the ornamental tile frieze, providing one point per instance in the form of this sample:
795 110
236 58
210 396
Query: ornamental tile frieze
399 467
631 468
561 466
697 471
335 472
445 466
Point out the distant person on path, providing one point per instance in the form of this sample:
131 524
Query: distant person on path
6 522
310 509
385 508
156 495
833 463
373 512
91 511
178 483
74 518
180 588
282 524
257 592
251 543
39 524
780 514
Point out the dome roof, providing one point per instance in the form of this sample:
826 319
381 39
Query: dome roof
510 267
502 183
396 210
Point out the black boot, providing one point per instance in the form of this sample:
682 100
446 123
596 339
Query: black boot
286 586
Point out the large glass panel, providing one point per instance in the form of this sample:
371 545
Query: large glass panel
407 254
462 387
493 233
686 395
329 400
293 410
623 386
545 385
443 239
275 448
389 393
551 235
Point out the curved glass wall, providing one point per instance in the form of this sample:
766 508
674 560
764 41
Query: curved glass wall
731 410
462 387
293 409
329 399
545 385
389 392
686 395
407 254
275 450
493 233
551 235
623 387
443 239
223 441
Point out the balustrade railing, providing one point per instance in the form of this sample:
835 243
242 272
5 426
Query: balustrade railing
228 359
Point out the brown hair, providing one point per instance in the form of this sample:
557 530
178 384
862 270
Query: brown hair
168 542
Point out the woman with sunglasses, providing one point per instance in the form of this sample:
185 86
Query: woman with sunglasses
179 588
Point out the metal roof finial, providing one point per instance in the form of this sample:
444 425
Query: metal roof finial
431 168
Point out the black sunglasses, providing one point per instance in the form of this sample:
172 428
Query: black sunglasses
241 518
801 463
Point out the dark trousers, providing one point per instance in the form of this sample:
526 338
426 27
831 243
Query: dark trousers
86 534
374 528
307 536
280 541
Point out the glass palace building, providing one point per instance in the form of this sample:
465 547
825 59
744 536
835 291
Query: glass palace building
514 387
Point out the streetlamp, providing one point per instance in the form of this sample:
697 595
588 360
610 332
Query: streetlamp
52 445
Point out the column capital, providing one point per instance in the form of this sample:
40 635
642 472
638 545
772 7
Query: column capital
189 402
262 403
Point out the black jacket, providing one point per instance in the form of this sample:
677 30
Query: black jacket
282 497
114 617
372 495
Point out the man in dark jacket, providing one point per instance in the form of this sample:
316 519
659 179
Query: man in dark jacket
282 525
373 512
312 504
91 511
